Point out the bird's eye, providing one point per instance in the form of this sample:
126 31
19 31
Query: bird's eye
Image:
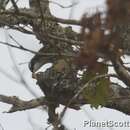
30 66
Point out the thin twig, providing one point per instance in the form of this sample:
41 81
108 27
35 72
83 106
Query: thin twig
69 41
21 29
34 52
29 15
81 90
69 6
14 40
15 6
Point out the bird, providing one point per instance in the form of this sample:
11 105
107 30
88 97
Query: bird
38 60
3 4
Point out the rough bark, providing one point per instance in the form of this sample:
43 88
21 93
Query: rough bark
119 100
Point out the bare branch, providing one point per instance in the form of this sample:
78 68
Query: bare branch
69 41
20 105
21 29
34 52
15 6
121 71
69 6
65 21
120 101
28 15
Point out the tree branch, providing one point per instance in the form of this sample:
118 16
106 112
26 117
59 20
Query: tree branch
34 52
20 105
26 15
15 6
119 100
121 71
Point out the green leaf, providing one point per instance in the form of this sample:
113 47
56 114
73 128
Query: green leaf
96 94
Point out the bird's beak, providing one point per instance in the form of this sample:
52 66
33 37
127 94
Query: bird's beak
34 75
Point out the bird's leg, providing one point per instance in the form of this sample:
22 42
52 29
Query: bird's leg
53 116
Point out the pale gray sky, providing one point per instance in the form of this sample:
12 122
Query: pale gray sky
19 120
